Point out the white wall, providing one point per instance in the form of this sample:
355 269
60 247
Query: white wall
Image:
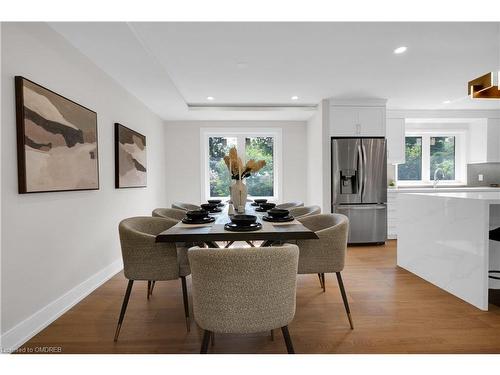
318 158
315 159
54 242
183 155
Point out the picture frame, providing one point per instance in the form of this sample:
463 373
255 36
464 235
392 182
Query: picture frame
57 141
130 158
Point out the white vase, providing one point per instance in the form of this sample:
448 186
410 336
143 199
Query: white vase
239 195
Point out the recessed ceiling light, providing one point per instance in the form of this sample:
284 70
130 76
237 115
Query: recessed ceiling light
210 98
400 50
447 102
295 97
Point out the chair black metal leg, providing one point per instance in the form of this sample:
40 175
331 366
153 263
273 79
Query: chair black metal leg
152 287
344 297
321 277
204 342
149 288
212 338
272 335
288 340
124 308
186 303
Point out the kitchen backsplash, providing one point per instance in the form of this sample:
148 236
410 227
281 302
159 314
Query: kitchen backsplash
490 172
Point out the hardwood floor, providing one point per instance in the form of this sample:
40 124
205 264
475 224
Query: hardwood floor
393 311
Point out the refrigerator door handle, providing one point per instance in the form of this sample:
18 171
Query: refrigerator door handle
365 180
361 171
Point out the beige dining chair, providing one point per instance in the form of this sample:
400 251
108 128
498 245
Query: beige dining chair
300 212
146 259
169 213
185 206
288 205
326 254
244 290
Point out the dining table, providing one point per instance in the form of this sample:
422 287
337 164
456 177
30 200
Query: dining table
211 233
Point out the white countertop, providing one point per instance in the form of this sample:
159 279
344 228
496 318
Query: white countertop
443 189
492 197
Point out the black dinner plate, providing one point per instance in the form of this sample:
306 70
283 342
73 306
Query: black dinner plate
242 228
278 219
204 220
255 204
215 210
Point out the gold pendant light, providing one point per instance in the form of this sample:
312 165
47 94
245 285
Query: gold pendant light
485 87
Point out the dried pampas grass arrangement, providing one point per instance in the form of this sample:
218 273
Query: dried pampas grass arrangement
236 168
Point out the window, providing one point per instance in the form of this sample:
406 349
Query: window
430 154
251 144
412 169
218 173
442 154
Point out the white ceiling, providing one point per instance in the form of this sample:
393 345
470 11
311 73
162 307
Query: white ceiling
169 65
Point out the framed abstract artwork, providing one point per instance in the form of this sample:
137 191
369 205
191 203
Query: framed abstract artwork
130 158
56 141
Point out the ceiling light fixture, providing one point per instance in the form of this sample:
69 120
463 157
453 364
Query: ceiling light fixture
210 98
447 102
400 50
295 97
484 87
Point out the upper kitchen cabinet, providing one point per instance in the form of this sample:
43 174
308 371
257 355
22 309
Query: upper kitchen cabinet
364 118
395 134
484 141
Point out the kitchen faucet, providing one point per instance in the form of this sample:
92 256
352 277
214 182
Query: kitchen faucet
436 179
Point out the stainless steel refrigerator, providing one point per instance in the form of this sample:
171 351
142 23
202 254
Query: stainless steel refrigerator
359 186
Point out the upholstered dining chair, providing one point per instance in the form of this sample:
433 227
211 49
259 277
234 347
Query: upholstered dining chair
299 212
244 290
145 259
326 254
288 205
185 206
169 213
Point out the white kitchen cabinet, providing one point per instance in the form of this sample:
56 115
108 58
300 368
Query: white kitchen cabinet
351 121
392 218
484 141
395 134
344 121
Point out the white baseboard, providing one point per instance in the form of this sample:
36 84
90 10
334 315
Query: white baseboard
22 332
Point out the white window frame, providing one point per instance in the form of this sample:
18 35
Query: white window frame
460 157
241 134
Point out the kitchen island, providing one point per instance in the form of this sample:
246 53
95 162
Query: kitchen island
443 238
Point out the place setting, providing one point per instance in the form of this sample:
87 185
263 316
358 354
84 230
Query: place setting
257 202
265 206
243 223
218 202
198 218
279 216
212 206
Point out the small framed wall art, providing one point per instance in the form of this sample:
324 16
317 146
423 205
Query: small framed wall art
130 158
